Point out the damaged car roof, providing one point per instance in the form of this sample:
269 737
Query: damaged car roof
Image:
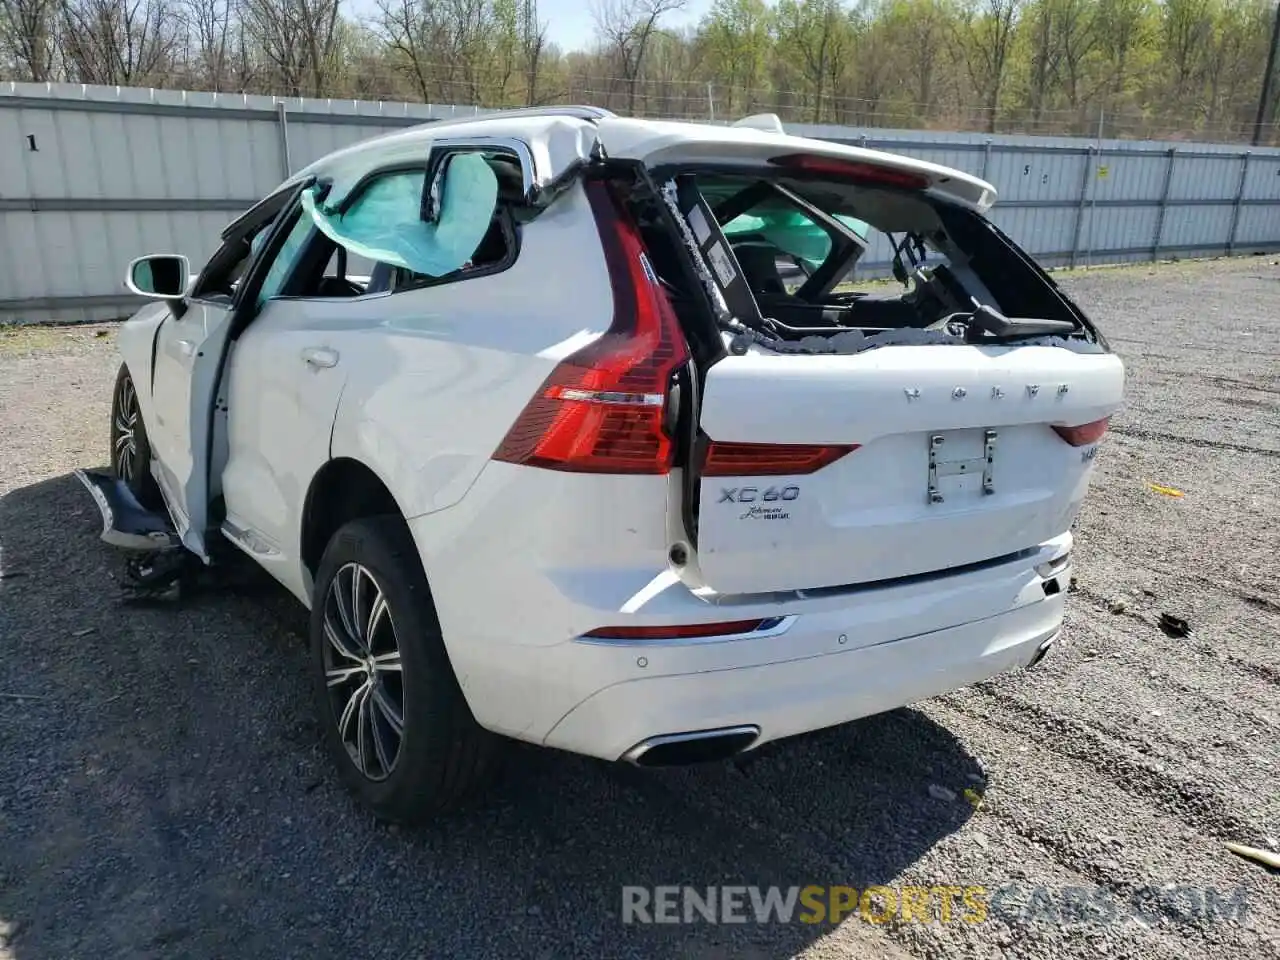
558 137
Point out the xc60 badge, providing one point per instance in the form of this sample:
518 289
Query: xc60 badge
755 495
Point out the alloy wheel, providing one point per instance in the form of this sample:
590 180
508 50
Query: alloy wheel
124 442
363 671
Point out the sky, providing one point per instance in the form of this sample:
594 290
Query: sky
571 27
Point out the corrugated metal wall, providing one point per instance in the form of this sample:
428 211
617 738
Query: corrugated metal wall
91 177
1079 202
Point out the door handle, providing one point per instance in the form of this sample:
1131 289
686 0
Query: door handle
320 357
185 347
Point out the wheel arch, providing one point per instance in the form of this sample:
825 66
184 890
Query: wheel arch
342 490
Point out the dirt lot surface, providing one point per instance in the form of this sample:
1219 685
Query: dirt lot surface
163 791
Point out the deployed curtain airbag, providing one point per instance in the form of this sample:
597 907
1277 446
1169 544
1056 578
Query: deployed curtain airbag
383 223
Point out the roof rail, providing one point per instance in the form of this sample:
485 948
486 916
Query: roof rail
578 112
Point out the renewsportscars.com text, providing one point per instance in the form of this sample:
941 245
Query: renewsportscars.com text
1022 903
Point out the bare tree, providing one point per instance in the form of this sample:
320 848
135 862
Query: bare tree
927 30
1123 32
119 42
463 51
410 28
817 35
1078 38
1188 31
213 30
626 28
27 33
986 34
298 38
1041 27
533 42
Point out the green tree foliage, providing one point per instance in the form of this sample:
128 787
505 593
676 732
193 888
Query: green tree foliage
1142 68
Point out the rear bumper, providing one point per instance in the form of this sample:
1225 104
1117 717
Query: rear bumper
516 590
796 696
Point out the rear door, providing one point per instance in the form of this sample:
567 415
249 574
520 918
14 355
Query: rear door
284 377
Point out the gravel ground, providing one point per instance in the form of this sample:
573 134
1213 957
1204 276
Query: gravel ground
163 791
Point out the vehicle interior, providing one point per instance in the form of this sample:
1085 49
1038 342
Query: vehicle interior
813 255
824 232
330 271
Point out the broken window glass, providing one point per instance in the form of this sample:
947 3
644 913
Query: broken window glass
384 223
285 257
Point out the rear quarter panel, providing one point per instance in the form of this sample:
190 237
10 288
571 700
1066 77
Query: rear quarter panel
436 384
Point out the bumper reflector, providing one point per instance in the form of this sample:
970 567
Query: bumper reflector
695 631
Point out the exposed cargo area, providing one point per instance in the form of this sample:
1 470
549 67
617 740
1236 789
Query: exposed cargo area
775 249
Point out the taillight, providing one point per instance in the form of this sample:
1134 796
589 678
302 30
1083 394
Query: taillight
854 170
769 459
602 408
1084 434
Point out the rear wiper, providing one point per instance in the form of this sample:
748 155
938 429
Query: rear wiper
985 319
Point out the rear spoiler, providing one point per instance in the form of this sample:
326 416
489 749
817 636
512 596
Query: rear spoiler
759 140
768 122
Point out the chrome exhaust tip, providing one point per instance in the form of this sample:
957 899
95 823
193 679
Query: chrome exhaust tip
698 746
1042 651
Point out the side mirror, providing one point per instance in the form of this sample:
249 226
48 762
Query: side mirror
160 276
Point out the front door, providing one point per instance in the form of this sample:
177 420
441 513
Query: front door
181 386
188 369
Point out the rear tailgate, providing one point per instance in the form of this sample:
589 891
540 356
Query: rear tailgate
956 461
830 469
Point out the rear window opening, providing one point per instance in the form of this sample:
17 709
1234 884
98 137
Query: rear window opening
803 261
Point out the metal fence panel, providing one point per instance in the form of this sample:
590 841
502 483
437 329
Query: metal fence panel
1199 227
1205 178
1263 179
1257 227
1130 176
1110 231
91 177
1048 230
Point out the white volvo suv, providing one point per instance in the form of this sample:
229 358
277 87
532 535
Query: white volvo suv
600 433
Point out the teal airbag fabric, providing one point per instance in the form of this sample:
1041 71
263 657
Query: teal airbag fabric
792 232
383 223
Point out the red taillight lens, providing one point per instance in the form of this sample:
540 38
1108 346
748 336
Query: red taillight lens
852 170
1084 434
692 631
770 459
602 408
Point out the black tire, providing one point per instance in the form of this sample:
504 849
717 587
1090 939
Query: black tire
130 448
443 757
